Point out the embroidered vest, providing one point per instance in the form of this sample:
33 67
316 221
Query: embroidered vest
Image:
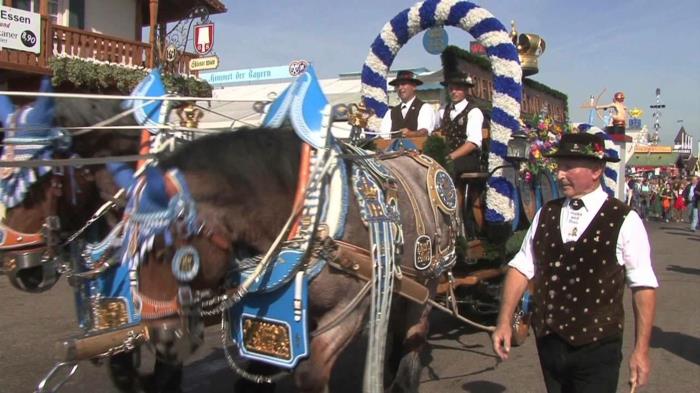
579 285
410 121
455 130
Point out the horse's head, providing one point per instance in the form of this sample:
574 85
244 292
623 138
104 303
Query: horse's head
180 263
240 208
45 205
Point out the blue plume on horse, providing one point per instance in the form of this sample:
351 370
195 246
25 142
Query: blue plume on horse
305 105
6 109
145 113
153 197
29 135
122 173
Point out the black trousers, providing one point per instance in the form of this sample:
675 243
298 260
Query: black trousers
590 368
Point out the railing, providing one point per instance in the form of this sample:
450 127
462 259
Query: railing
71 42
59 40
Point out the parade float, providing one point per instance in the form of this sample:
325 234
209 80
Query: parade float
518 179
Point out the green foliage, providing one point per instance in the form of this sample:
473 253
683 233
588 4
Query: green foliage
437 149
461 248
514 242
534 85
103 77
479 61
485 64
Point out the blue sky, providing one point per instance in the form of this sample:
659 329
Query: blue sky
630 46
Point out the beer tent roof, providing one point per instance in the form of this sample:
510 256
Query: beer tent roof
653 159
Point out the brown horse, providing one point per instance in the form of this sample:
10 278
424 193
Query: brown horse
243 185
72 195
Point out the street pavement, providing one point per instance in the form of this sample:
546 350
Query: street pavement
459 358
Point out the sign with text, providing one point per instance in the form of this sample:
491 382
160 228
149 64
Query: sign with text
204 63
246 75
204 38
20 30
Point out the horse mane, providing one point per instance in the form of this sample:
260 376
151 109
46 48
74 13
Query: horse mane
83 112
245 180
246 155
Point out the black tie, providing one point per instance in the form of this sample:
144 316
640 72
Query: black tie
576 203
403 106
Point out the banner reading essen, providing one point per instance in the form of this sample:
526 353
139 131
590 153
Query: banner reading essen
20 30
246 75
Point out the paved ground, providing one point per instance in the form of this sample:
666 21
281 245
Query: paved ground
459 360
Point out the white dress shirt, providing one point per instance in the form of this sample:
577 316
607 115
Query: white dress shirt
632 248
426 119
475 120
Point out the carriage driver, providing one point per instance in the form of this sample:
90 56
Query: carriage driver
412 117
461 123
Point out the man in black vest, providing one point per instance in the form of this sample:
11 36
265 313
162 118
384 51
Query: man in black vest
460 123
579 252
412 117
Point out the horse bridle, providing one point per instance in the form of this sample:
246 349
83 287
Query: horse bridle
188 300
21 251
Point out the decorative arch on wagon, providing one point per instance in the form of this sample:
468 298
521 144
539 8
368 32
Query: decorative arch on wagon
507 80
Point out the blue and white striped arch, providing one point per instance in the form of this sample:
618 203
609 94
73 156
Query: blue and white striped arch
507 79
611 174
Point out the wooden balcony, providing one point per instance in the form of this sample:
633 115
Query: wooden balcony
65 41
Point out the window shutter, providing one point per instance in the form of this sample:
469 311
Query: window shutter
76 14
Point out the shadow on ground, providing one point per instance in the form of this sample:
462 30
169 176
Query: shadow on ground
483 387
679 344
683 269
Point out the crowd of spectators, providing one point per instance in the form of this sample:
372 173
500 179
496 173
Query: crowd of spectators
668 199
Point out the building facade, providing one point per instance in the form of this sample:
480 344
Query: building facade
108 31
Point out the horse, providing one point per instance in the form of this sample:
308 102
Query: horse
71 194
243 185
62 199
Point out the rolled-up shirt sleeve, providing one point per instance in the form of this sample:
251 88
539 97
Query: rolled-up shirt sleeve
426 118
475 120
634 253
523 261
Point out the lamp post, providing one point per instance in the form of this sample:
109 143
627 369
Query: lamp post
518 151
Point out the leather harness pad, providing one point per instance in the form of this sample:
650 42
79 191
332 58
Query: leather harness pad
357 262
11 239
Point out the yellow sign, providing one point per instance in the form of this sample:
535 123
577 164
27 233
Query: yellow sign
653 149
204 63
636 113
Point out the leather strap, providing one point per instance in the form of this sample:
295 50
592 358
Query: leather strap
357 262
13 240
302 182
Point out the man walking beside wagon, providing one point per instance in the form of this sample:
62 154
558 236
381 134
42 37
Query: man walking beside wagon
579 252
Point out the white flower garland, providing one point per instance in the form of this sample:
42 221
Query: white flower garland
504 62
